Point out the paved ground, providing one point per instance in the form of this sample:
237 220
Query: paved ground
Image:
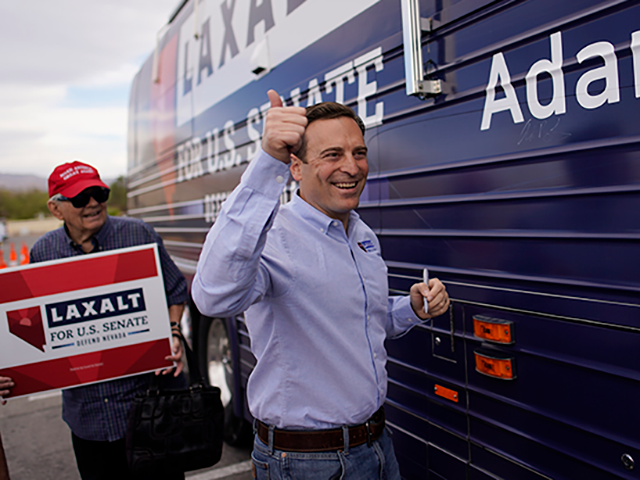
37 444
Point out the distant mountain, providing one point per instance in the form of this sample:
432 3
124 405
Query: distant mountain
21 183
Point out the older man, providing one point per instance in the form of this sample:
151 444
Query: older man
97 414
312 281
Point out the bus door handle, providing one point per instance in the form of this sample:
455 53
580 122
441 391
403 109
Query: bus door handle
441 347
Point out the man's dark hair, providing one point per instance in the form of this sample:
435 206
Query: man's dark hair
326 111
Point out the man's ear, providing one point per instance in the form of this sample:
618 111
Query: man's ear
296 168
54 208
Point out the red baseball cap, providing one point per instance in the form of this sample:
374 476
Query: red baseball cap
69 179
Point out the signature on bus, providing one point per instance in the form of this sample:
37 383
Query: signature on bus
543 130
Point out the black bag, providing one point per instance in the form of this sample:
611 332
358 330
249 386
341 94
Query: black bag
175 430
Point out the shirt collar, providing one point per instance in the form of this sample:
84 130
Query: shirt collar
318 219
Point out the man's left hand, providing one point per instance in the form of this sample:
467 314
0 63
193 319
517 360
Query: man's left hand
176 357
435 293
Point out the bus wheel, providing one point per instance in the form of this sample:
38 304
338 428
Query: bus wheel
217 361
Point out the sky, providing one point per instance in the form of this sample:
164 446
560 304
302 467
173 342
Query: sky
65 74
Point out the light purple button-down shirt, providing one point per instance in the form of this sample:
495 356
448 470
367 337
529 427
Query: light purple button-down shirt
316 301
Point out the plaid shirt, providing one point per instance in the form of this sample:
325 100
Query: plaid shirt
99 412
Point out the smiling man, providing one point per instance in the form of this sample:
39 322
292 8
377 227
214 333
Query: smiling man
334 178
97 414
311 279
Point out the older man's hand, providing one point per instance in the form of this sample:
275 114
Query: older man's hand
6 384
175 357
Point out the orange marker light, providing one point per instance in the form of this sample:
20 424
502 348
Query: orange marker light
495 367
447 393
493 329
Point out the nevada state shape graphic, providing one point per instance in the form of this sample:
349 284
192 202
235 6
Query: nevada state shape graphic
26 324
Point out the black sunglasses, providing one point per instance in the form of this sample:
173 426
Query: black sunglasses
81 200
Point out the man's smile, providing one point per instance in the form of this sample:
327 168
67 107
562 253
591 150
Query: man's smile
346 185
93 214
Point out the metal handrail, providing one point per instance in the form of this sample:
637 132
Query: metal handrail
412 27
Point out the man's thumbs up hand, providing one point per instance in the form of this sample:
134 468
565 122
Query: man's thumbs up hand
274 98
284 128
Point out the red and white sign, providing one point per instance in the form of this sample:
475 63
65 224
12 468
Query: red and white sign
83 320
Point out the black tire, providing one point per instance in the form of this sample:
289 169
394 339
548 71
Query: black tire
216 363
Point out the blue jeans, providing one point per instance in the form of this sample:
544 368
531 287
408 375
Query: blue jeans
359 463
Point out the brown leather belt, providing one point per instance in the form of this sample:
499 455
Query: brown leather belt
323 440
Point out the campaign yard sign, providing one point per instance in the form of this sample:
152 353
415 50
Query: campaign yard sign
83 320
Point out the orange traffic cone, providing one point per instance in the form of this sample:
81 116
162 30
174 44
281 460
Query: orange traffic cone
13 257
24 254
2 264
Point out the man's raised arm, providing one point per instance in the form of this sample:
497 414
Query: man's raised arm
228 277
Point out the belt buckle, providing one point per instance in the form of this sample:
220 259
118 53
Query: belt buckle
367 426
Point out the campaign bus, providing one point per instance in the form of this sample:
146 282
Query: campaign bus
504 157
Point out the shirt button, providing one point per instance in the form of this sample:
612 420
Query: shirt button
375 355
368 317
106 400
409 320
279 179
